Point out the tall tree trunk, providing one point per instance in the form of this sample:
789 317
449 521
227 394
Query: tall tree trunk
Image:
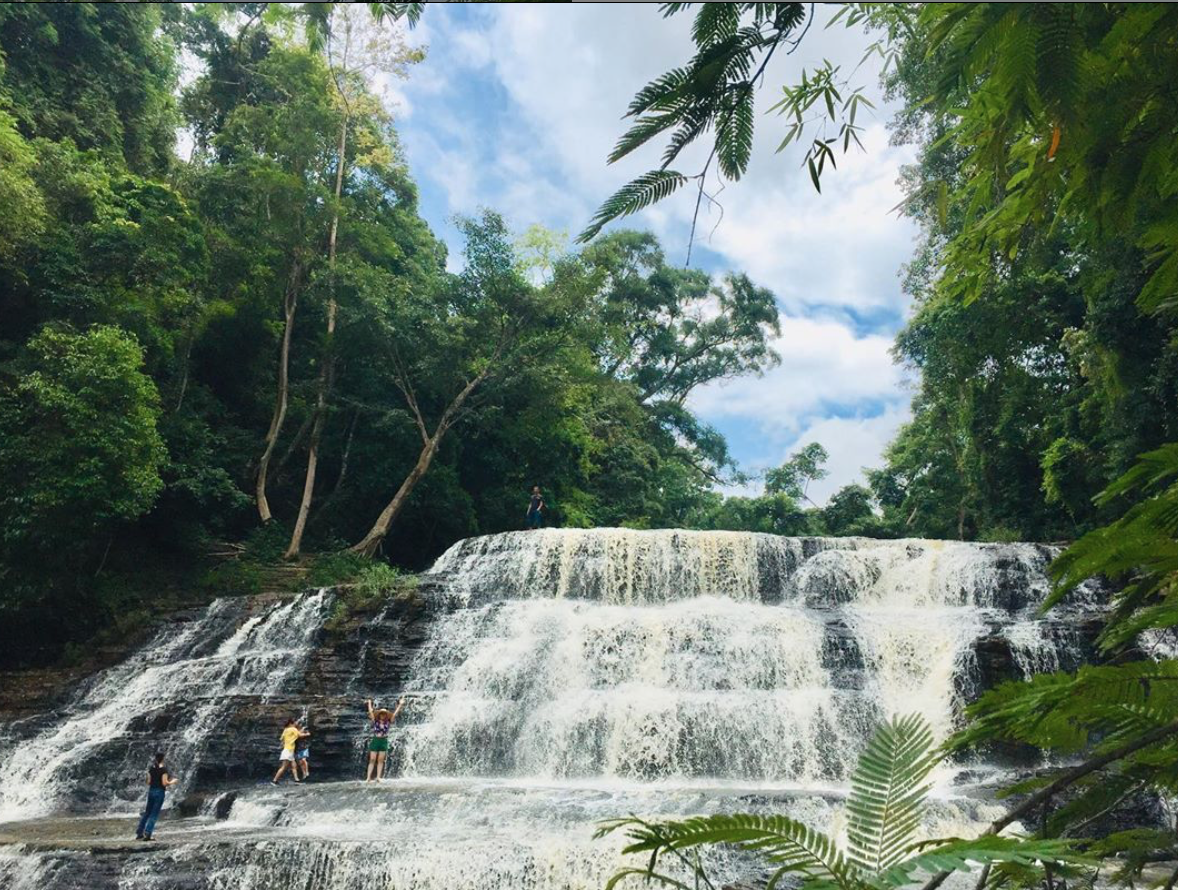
371 541
368 544
289 304
343 468
326 378
327 372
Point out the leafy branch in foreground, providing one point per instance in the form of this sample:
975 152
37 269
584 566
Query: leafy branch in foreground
713 92
886 805
1140 548
1121 713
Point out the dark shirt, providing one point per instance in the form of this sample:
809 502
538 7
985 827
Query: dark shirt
157 774
537 503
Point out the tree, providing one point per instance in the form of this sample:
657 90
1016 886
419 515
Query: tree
273 149
447 345
80 448
355 53
25 216
667 331
793 477
849 511
774 514
101 75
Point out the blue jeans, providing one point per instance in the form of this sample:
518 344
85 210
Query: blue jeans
155 803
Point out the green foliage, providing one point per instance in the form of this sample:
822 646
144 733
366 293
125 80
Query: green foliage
331 569
850 512
24 216
369 587
234 578
100 75
888 789
713 93
885 808
795 475
1140 549
79 443
1122 711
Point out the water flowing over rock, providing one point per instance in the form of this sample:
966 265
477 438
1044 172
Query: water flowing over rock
553 678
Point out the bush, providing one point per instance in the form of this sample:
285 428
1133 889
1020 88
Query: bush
333 569
236 578
372 588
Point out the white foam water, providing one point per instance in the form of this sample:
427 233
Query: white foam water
576 675
186 677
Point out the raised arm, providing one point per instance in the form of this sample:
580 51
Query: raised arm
397 709
371 713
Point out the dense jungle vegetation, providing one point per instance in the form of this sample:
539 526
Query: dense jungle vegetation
1046 301
261 342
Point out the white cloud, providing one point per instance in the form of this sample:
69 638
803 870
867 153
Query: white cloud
823 364
517 107
852 442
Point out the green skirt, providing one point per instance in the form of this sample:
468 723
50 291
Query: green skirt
378 743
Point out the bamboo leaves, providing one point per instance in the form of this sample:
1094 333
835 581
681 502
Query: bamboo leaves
713 93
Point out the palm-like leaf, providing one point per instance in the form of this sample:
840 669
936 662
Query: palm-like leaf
888 790
734 136
962 855
790 845
634 196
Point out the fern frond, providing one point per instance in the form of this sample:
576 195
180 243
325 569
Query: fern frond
411 12
791 845
632 197
888 789
661 93
734 137
965 855
715 22
642 131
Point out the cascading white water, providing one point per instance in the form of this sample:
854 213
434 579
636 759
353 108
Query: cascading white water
668 656
571 676
188 676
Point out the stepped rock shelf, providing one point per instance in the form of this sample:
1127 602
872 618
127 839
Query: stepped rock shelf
554 678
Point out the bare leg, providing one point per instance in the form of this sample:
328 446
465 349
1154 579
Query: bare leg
306 767
371 765
281 769
380 766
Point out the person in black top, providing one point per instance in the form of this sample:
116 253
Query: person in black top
535 516
158 782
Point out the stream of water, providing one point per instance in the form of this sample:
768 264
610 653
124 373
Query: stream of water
568 676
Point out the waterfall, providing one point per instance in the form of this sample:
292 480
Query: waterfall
673 655
564 677
179 686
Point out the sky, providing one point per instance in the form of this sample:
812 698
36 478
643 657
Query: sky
517 106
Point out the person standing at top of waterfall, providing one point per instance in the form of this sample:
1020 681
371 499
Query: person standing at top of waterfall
158 783
286 758
536 507
378 745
